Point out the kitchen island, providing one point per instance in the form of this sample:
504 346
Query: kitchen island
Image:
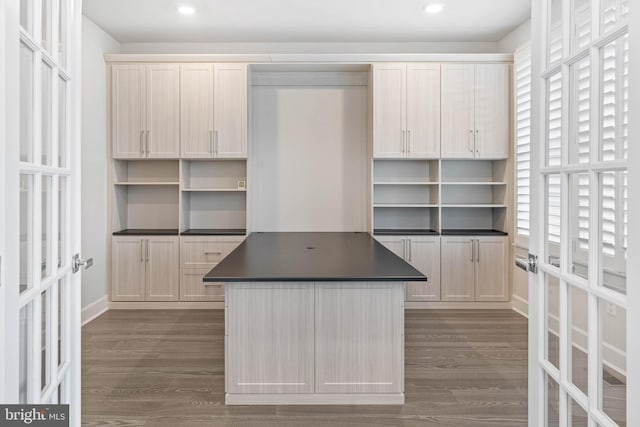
313 318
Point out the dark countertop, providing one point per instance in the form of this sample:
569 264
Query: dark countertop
472 232
312 257
146 232
214 232
403 232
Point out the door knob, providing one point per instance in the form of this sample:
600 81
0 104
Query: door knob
77 262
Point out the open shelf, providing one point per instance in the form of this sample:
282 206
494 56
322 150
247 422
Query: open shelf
214 175
405 172
474 195
145 207
474 218
395 218
409 196
474 172
146 172
207 210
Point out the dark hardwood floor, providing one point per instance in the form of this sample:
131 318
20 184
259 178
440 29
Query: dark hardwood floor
165 368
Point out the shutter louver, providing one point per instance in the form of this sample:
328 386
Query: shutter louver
522 65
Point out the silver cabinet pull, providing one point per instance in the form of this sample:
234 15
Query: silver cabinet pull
148 132
213 253
147 250
478 251
215 142
142 142
409 141
473 250
141 250
404 141
475 140
404 248
471 140
211 142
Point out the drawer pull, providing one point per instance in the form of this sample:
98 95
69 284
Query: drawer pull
210 284
213 253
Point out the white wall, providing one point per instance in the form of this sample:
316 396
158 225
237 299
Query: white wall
266 48
515 38
95 43
308 158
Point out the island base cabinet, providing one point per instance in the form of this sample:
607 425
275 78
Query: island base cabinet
359 338
269 337
314 343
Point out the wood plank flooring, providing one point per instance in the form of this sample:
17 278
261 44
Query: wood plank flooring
165 368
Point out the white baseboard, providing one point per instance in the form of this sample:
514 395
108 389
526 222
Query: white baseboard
95 309
520 305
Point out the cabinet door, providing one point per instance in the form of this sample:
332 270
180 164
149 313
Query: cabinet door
492 111
365 321
423 110
269 339
457 268
192 288
457 133
199 251
163 111
127 268
389 106
424 256
491 268
128 111
395 244
162 268
196 111
230 110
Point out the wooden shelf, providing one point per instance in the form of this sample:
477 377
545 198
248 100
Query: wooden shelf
404 205
146 183
474 205
406 183
216 190
474 183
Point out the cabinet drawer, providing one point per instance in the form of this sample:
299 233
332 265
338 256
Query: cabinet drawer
206 251
192 288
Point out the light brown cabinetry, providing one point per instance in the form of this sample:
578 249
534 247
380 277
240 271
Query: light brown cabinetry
144 268
145 111
474 268
198 255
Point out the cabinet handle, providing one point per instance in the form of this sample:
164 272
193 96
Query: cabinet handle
478 250
211 142
148 132
409 141
409 248
147 250
141 142
404 141
473 250
475 140
471 140
215 142
404 248
141 250
213 253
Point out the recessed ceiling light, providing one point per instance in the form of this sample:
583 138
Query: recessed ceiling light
186 10
434 8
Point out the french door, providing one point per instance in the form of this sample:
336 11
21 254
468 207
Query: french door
40 294
579 297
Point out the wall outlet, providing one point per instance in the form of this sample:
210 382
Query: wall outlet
611 310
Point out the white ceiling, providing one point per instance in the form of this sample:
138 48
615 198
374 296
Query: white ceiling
307 20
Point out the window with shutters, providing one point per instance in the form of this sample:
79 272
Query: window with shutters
522 115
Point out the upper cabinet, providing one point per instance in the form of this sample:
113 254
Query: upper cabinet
145 106
213 110
406 110
475 111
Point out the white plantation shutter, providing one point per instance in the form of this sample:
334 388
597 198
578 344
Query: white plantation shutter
554 137
582 27
522 76
608 106
581 133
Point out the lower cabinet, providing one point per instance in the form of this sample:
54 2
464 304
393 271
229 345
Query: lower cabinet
423 253
474 268
198 255
144 268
